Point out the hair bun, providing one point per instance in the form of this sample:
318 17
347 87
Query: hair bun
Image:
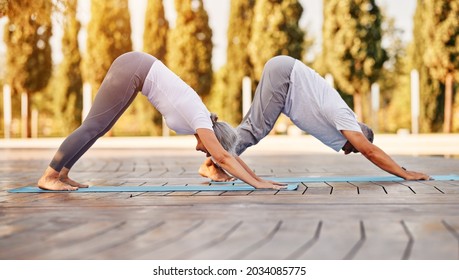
213 118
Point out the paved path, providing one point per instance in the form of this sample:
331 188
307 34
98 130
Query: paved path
325 220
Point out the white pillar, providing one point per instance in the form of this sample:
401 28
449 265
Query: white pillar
415 101
165 128
375 105
330 80
246 94
7 116
24 114
34 124
87 100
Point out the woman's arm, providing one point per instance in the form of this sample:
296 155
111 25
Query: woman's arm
229 162
379 157
250 171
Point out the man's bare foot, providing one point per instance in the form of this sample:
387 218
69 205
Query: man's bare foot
214 172
64 177
50 181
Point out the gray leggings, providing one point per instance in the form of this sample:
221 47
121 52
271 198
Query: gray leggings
120 86
268 102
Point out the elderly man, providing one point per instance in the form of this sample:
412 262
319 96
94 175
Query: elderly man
289 86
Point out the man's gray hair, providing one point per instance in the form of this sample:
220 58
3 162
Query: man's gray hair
368 132
226 134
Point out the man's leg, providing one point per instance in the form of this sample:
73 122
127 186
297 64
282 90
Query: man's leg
268 102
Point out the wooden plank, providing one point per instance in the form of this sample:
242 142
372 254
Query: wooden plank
319 188
146 245
112 235
237 242
292 239
384 240
395 188
443 186
368 188
421 188
342 188
432 241
336 240
197 240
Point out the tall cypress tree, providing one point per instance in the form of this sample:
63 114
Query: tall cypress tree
431 99
27 37
156 30
109 36
441 30
190 46
275 31
237 59
69 83
154 43
352 48
3 7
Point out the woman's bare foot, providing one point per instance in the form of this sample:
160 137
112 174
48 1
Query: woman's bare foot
214 172
64 177
50 181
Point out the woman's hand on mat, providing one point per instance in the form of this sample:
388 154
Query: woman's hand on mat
270 185
276 183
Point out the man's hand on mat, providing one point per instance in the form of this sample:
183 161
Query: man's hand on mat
413 176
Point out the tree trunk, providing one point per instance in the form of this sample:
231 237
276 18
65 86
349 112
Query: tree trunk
448 121
358 106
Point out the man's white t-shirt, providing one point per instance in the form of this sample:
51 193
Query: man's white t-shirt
179 104
317 108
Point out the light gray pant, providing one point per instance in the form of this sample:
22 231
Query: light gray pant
268 102
120 86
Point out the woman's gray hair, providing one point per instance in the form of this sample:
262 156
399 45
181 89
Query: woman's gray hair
225 133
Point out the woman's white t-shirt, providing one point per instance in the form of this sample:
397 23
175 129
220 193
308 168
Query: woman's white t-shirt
180 105
317 108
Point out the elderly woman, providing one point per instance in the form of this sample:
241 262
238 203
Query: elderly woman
180 105
288 86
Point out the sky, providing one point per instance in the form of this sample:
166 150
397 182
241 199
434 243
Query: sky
218 11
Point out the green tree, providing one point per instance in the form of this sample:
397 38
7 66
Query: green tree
237 60
156 30
27 35
275 31
190 46
352 48
431 110
109 36
3 7
394 81
441 30
154 43
68 83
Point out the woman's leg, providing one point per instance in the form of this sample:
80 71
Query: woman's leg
268 102
120 86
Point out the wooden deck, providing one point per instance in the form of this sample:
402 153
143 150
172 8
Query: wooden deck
326 220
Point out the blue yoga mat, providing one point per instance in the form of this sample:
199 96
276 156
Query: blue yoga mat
190 188
316 179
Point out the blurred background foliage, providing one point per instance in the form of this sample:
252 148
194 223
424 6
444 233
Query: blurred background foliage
360 46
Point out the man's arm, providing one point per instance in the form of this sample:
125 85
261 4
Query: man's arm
379 157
